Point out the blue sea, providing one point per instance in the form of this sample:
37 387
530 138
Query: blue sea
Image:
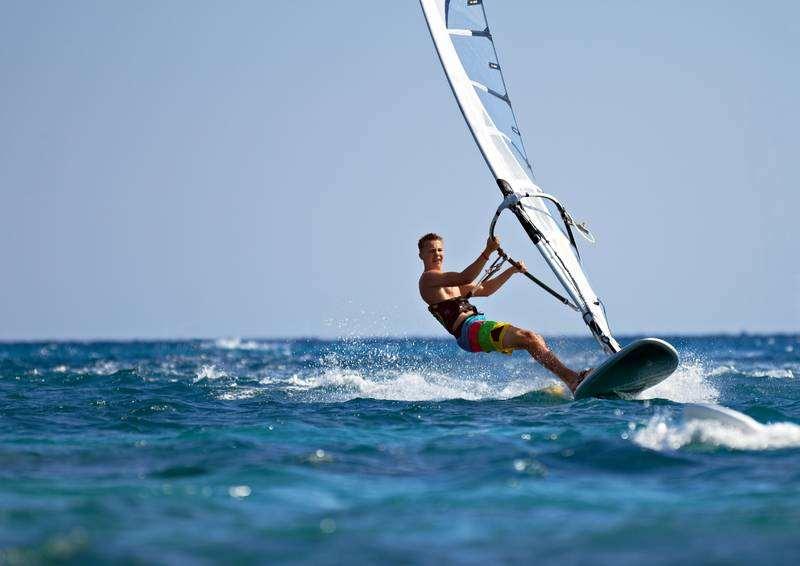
391 451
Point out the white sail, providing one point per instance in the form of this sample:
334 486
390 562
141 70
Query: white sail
466 49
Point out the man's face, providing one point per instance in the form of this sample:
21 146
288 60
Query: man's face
432 253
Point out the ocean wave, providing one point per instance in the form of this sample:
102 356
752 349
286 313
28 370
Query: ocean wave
209 372
338 386
662 433
722 370
235 393
778 373
235 343
101 367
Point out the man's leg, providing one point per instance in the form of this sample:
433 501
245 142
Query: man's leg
518 338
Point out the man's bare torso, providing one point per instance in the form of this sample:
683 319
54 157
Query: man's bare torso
432 294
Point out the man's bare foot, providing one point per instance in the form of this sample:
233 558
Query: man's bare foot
580 376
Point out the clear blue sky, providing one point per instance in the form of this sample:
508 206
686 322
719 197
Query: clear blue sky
177 169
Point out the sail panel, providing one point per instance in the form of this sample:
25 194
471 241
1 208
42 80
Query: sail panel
468 55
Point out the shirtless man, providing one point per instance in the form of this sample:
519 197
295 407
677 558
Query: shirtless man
445 293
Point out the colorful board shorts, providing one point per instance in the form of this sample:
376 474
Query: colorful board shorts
480 335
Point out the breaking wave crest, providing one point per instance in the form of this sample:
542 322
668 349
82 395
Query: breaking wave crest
774 373
236 343
663 433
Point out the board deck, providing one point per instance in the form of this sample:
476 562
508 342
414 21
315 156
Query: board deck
638 366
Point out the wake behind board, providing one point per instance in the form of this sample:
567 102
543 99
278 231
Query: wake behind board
638 366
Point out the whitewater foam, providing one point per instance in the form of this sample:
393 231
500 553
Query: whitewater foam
779 373
236 343
721 370
236 393
338 386
687 385
100 367
208 372
663 433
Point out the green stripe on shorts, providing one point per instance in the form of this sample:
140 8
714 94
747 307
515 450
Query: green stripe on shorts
484 337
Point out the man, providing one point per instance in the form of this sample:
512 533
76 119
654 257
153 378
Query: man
445 292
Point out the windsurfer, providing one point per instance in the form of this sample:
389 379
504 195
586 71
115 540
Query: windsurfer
447 292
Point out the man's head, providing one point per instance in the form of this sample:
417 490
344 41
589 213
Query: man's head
431 250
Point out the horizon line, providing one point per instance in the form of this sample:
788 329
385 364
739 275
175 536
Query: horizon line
65 340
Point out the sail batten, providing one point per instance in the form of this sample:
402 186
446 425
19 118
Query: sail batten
466 49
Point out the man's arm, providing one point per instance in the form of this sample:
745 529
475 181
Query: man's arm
489 286
456 278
